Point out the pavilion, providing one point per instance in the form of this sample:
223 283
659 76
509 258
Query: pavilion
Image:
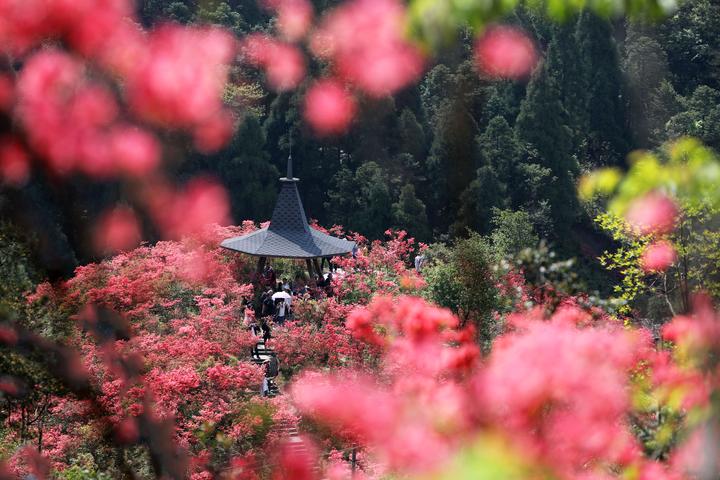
288 235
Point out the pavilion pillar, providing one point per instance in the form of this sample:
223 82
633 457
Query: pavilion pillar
260 266
318 267
256 283
309 266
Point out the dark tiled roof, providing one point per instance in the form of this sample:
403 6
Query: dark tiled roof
289 234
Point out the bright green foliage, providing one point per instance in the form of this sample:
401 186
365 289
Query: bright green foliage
488 458
220 13
697 241
688 171
245 97
212 12
513 231
83 468
462 279
435 23
685 169
625 260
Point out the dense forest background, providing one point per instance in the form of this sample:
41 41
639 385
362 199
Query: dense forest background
456 152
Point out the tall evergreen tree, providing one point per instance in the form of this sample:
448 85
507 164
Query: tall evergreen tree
498 147
412 135
410 214
691 38
543 126
477 202
645 65
606 142
250 177
664 104
563 61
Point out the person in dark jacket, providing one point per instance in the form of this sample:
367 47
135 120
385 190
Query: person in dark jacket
265 327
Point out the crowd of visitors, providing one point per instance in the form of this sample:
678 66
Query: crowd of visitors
275 304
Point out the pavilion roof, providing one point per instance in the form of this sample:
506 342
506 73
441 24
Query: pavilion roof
288 235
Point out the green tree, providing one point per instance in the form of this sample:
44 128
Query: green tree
249 175
700 118
645 66
691 37
361 201
664 104
606 141
412 135
563 61
477 202
543 126
343 197
498 147
220 13
462 279
513 231
373 215
410 215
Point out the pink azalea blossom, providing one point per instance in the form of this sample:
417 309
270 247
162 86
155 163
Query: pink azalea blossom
134 151
364 39
294 17
283 63
14 162
7 92
658 256
329 108
185 212
117 230
179 80
505 52
654 213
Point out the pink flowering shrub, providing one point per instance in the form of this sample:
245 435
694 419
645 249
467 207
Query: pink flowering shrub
558 394
158 359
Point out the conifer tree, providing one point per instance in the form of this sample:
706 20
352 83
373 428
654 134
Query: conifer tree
498 147
543 126
606 142
562 61
410 214
645 66
477 202
249 175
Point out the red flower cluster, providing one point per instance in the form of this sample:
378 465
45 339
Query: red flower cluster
505 52
173 77
364 40
654 213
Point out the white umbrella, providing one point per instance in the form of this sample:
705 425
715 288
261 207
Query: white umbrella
284 295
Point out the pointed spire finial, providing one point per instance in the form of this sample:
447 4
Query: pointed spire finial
289 175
